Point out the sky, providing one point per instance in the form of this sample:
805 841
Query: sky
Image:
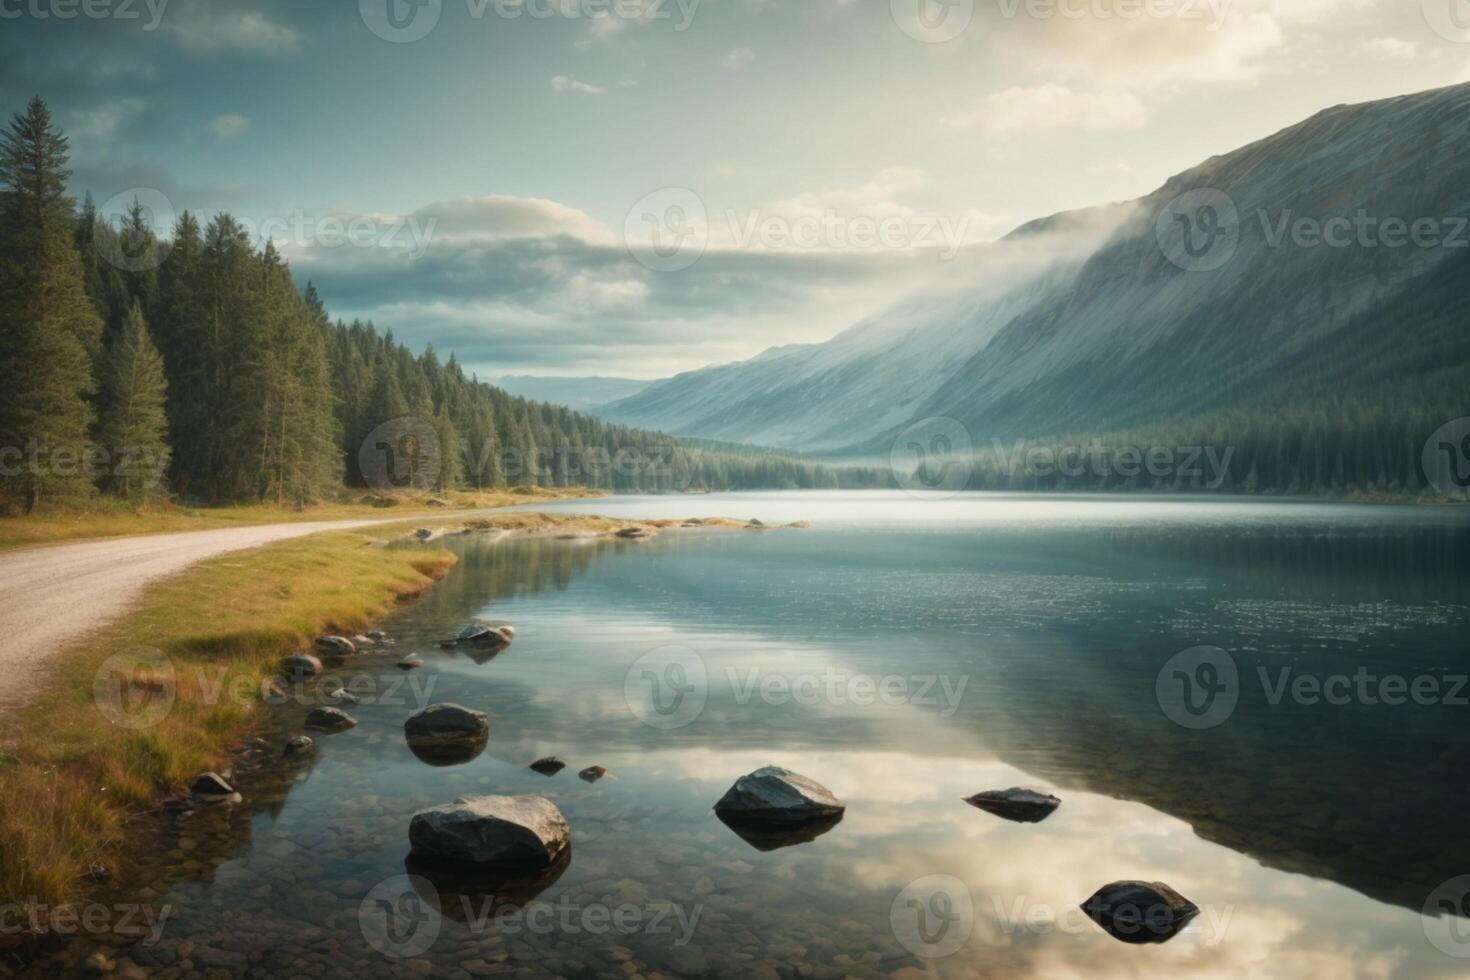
635 188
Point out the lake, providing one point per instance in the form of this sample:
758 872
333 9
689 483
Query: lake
1260 703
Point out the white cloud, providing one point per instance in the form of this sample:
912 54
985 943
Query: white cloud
1390 49
566 83
230 126
739 58
1053 106
210 27
94 129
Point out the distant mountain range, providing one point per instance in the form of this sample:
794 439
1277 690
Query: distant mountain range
582 394
1328 262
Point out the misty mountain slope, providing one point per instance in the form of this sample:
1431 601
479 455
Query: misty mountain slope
1139 337
581 394
877 373
1058 329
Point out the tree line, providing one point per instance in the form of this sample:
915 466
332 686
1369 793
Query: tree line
193 366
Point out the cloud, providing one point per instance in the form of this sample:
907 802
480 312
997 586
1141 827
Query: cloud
1390 49
566 83
739 58
230 126
1053 106
217 26
91 131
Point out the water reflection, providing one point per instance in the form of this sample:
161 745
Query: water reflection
1000 653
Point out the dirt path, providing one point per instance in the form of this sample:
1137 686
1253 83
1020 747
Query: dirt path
51 596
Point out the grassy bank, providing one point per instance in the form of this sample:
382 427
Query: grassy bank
109 519
70 778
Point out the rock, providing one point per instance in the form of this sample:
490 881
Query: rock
776 796
300 666
548 766
492 831
1020 805
299 744
411 662
478 634
378 636
1140 911
210 784
755 523
688 961
441 724
361 641
330 720
340 696
800 525
336 645
592 773
636 532
424 533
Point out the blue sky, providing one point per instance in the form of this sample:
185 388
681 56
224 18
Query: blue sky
497 169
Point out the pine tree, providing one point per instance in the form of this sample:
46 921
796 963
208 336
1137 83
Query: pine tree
133 433
49 331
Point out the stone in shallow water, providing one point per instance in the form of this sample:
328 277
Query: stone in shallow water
592 774
1020 805
778 797
298 744
411 662
210 784
548 766
447 734
300 666
1140 911
330 720
337 645
492 831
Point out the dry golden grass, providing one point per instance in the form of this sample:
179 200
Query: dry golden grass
70 777
109 519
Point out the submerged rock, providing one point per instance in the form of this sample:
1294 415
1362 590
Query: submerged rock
1020 805
548 766
480 635
1140 911
330 720
299 744
774 796
210 784
340 696
300 666
592 774
378 636
636 532
336 645
411 662
492 831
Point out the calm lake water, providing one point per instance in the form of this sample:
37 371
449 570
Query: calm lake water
1302 782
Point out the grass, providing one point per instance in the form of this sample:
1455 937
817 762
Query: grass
104 518
71 779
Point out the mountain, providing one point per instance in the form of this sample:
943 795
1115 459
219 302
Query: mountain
582 394
1109 321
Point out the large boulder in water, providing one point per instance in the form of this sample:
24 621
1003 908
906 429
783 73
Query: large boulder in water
1140 911
330 720
447 734
492 832
1020 805
773 796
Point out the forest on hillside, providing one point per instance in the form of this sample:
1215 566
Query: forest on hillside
194 367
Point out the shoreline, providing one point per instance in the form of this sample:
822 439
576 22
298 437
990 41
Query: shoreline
78 772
